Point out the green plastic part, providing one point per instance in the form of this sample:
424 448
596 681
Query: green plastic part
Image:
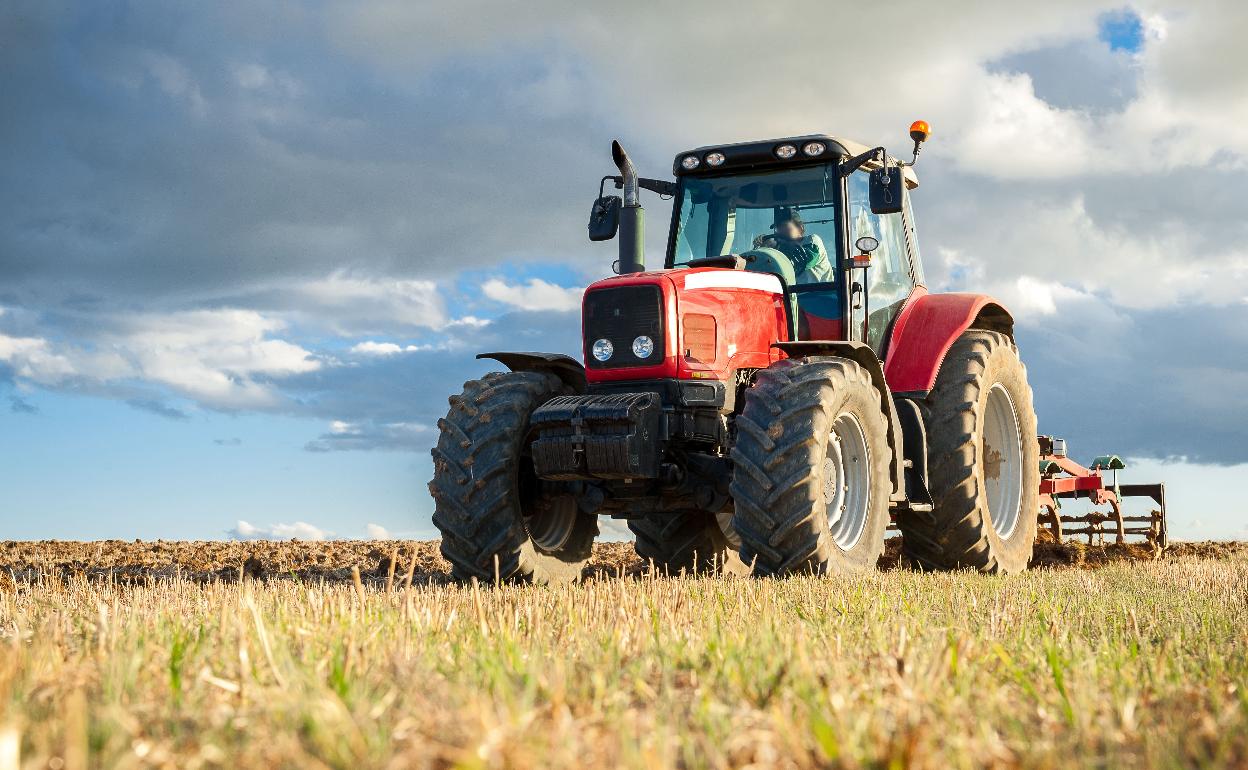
1108 463
1049 466
767 260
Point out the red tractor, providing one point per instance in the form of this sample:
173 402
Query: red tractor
775 396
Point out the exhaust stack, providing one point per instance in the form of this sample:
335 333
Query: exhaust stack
632 216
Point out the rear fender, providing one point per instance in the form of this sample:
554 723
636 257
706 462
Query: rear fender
566 368
925 330
865 357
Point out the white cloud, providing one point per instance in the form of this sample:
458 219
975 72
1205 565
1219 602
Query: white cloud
213 355
374 348
361 305
1011 133
33 360
174 79
1035 297
534 295
217 357
377 532
370 435
1039 249
370 348
257 77
300 530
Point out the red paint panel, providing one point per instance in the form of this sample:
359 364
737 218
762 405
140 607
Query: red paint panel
1071 484
748 321
927 327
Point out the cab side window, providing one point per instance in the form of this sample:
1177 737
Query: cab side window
916 262
889 280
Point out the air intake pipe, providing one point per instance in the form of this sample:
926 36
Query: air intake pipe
632 216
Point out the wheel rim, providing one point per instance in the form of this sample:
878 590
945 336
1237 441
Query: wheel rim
1002 461
847 481
550 526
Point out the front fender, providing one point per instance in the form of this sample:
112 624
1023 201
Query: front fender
925 330
566 368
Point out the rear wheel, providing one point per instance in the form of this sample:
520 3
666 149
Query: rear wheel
983 462
496 517
689 541
811 469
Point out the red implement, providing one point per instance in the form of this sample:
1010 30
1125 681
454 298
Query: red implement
1061 477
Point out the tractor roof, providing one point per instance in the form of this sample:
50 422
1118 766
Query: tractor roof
758 155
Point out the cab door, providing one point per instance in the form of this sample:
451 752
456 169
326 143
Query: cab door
891 277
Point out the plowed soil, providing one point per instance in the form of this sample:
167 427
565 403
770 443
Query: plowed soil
141 561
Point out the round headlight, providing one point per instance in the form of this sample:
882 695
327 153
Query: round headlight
715 159
603 349
814 148
690 162
643 346
785 151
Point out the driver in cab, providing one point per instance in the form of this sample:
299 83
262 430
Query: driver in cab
806 252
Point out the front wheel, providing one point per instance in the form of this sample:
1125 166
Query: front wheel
811 469
497 519
687 541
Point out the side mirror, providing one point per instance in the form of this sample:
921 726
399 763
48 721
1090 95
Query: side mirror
604 218
887 190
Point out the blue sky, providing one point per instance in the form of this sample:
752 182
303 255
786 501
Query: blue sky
248 249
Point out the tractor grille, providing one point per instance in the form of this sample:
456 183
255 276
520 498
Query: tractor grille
621 315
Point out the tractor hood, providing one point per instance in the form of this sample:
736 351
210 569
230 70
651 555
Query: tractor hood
691 323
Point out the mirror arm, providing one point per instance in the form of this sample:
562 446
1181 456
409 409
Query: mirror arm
858 161
660 186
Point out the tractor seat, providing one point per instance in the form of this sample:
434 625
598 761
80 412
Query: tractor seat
768 260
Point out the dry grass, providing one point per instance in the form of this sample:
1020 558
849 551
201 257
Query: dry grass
1136 664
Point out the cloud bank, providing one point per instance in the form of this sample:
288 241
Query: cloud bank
325 212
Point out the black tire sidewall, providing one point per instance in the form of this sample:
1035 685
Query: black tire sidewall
1005 369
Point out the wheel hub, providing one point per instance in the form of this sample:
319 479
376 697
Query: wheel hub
847 481
552 522
1001 459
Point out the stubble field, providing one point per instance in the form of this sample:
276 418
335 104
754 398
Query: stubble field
269 655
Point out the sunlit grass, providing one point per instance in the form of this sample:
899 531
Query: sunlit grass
1131 665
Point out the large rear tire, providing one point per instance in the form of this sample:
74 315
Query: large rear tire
496 517
687 541
811 469
983 462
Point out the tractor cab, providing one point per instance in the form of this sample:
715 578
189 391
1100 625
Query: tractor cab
829 218
801 209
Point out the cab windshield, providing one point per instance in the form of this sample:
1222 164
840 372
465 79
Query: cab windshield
782 221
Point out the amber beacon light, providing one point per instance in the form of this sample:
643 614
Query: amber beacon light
919 130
